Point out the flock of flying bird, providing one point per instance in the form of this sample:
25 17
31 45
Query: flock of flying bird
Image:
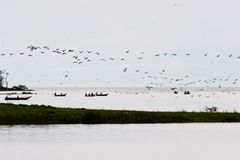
81 57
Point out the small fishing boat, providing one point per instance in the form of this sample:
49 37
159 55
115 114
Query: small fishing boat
186 92
101 94
17 98
90 95
60 95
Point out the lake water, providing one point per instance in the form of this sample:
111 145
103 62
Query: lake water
156 99
118 142
132 141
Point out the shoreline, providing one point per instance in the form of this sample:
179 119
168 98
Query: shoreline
12 114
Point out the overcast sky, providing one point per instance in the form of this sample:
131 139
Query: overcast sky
112 27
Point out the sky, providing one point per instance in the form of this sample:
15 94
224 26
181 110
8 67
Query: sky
112 27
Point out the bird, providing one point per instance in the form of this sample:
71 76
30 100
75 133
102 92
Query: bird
31 47
46 47
125 69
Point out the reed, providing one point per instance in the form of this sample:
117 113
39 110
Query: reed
11 114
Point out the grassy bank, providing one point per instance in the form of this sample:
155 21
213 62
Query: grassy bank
23 114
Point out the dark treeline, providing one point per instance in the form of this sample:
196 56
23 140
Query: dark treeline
11 114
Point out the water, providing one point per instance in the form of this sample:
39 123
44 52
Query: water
145 141
133 141
157 99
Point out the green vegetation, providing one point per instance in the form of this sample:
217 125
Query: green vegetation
15 88
11 114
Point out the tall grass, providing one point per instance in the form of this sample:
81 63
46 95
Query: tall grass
11 114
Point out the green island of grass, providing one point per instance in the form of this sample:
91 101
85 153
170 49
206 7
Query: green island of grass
11 114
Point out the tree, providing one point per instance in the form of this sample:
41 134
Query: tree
6 77
20 87
1 78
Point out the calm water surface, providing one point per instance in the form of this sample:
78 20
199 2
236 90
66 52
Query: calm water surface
147 141
157 99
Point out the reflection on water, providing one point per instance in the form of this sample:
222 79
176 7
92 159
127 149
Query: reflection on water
157 99
147 141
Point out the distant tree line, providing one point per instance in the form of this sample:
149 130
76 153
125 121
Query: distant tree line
20 87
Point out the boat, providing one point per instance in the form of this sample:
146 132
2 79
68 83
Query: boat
17 98
175 92
90 95
24 92
101 94
186 92
60 95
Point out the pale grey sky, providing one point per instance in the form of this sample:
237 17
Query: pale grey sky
111 27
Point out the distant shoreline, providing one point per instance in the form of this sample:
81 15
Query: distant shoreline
11 89
11 114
